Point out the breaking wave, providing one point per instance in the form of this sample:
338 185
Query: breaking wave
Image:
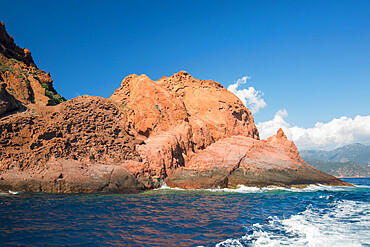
247 189
9 193
342 223
13 192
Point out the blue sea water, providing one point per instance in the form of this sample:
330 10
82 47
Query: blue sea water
314 216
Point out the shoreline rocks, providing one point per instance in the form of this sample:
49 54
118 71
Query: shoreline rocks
187 132
241 160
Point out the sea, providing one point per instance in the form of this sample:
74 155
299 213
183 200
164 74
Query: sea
317 215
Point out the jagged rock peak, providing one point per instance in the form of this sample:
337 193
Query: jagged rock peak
280 141
179 75
184 78
280 134
182 73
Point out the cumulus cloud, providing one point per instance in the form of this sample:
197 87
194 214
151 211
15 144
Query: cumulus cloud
269 128
250 97
338 132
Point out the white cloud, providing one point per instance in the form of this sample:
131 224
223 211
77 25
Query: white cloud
250 97
338 132
269 128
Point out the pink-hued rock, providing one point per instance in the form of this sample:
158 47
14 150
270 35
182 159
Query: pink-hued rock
88 133
156 106
280 141
222 112
177 116
70 176
240 160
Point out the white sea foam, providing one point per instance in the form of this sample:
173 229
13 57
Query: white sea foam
13 192
166 187
247 189
310 188
343 223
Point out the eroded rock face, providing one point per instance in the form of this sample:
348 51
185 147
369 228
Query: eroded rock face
84 134
86 127
71 176
156 106
178 116
222 112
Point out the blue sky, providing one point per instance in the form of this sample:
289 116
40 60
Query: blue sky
311 58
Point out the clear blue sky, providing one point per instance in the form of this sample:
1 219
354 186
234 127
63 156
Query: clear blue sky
309 57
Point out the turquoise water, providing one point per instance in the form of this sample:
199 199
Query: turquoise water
315 216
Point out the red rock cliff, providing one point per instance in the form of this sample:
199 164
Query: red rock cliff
155 106
179 115
22 79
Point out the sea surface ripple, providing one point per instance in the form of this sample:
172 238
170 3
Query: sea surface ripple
314 216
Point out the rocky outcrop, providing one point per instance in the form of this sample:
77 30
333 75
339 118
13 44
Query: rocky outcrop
187 132
222 112
179 115
156 106
240 160
83 136
85 128
281 142
24 81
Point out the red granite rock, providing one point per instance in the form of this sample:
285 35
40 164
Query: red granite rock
188 132
240 160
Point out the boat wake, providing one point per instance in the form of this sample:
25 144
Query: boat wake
342 223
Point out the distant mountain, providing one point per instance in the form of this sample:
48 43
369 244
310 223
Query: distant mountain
354 152
341 170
